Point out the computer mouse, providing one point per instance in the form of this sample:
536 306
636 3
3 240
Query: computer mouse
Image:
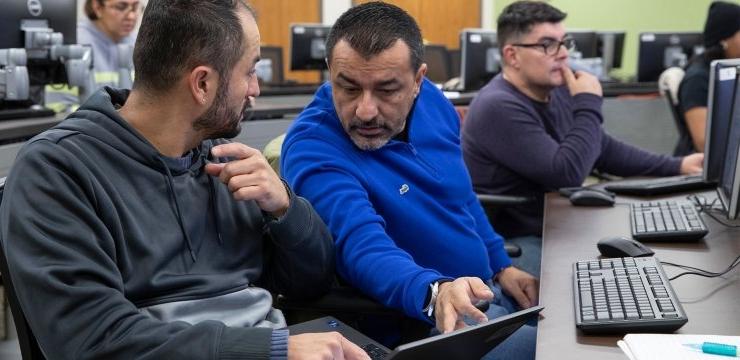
591 197
620 246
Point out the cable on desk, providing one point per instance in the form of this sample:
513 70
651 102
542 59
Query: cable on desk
701 272
710 209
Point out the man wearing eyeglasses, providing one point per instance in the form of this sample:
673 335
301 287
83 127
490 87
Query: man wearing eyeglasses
537 126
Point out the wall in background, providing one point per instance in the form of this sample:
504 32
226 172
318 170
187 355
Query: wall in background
633 16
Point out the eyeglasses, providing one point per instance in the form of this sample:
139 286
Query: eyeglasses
550 47
124 7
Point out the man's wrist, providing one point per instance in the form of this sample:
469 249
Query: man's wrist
431 299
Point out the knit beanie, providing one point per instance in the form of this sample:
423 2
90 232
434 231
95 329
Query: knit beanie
723 21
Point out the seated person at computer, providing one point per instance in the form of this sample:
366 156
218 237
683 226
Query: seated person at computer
377 153
721 41
133 230
108 24
537 126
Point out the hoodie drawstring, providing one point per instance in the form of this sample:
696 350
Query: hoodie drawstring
212 200
173 194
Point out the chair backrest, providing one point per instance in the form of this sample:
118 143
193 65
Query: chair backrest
30 349
668 84
438 63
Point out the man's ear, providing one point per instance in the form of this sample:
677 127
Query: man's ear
203 84
419 77
509 56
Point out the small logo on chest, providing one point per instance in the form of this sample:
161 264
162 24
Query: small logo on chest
403 189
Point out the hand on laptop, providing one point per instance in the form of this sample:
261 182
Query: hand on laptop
318 346
692 164
523 287
457 299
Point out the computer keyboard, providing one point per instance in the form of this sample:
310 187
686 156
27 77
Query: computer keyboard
624 295
658 186
374 351
666 221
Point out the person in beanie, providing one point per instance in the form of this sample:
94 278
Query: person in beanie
721 41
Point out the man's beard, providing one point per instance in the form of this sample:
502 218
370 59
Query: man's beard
220 121
370 143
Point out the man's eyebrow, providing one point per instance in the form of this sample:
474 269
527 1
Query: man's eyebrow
346 78
547 38
388 82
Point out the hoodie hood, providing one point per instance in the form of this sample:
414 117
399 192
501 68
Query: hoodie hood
98 117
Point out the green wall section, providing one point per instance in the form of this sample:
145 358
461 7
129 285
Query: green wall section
632 16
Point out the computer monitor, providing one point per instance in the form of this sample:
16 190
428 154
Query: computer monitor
438 63
729 181
308 46
45 32
455 55
610 42
60 14
586 42
722 83
658 51
481 58
270 67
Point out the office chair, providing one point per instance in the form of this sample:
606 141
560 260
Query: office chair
30 349
438 63
668 84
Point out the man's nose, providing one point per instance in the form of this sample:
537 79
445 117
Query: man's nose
367 108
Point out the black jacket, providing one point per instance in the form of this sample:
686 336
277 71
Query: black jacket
120 253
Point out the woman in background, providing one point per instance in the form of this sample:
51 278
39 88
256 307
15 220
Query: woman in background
109 24
721 41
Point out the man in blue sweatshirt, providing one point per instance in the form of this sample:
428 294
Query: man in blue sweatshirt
378 154
133 230
537 126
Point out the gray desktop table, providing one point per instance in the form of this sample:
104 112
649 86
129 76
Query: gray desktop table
571 233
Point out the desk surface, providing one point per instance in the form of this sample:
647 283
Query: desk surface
571 233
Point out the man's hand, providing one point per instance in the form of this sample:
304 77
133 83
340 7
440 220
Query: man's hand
330 345
523 287
692 164
456 299
581 82
250 177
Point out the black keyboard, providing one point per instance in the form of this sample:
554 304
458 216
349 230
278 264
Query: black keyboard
374 351
624 295
666 221
659 186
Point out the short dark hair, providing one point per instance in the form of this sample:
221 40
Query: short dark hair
178 35
89 9
518 19
375 26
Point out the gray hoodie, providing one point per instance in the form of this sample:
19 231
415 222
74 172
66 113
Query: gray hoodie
121 253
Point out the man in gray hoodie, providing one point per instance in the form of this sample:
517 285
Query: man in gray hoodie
134 231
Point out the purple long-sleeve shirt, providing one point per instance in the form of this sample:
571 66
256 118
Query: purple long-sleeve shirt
515 145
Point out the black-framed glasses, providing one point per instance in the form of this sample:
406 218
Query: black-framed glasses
551 47
124 7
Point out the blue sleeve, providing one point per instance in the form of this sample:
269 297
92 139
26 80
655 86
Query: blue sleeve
494 242
511 133
366 256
